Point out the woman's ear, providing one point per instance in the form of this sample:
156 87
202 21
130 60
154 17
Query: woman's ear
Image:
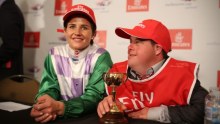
64 29
94 35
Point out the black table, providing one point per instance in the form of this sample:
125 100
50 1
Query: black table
23 117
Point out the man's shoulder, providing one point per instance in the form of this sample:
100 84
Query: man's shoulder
173 60
120 66
122 63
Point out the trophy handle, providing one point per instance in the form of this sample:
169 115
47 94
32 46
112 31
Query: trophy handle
125 78
106 78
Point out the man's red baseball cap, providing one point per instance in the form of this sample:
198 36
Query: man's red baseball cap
148 29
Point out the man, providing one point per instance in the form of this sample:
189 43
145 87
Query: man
159 87
11 39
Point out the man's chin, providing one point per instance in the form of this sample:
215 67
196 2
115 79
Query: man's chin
131 63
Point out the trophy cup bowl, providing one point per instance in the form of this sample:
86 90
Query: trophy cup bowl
115 115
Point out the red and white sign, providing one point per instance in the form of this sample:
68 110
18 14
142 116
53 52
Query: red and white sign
100 38
32 39
137 5
61 7
181 38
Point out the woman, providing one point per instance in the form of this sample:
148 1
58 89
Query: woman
72 82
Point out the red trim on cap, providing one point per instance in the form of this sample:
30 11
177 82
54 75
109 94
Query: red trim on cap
82 9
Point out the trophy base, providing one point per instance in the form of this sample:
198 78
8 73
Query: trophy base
113 118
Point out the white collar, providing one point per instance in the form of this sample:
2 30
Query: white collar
157 66
81 54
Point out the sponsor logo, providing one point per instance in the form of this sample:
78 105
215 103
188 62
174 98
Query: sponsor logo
187 4
141 25
137 5
81 8
181 38
61 7
31 39
100 38
102 6
103 2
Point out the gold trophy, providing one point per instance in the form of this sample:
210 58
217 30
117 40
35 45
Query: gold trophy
115 115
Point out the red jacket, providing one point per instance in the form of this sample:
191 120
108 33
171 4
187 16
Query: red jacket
172 84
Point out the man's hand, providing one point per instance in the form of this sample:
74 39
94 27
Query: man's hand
106 104
141 114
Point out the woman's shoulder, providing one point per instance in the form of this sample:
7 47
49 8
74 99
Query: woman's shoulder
97 49
57 49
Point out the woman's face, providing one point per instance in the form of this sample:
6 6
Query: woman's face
78 33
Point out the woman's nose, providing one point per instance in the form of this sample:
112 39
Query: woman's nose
77 31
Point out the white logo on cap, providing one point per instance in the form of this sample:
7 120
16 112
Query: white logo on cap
80 8
141 25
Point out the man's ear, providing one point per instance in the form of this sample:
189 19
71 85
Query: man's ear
158 49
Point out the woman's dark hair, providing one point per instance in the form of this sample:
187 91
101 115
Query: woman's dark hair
87 18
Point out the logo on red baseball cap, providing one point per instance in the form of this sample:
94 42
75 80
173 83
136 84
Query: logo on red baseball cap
148 29
80 9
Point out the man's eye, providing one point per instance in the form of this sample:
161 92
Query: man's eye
138 41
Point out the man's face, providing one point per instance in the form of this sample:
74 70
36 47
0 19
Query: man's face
78 33
141 53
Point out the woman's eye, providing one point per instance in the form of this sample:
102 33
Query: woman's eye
84 27
71 26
